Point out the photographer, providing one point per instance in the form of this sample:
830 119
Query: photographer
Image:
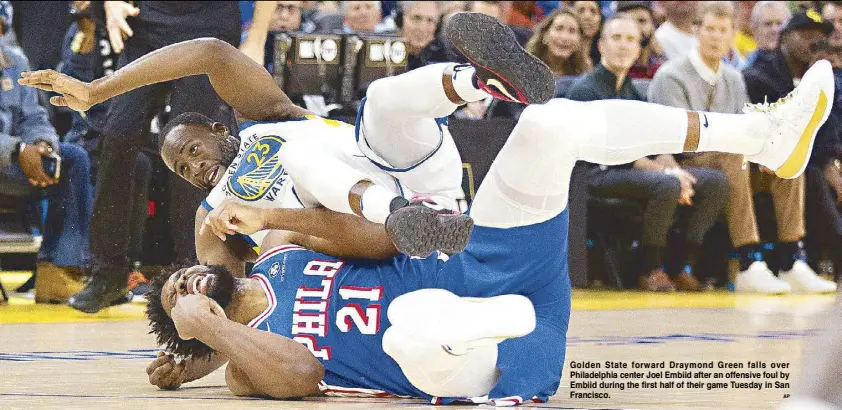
32 161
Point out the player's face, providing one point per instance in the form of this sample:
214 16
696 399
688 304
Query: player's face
214 282
199 156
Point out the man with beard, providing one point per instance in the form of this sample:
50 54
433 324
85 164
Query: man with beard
488 323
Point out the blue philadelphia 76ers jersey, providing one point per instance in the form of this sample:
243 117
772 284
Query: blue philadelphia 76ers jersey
338 310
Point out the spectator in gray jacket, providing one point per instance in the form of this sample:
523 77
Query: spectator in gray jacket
700 81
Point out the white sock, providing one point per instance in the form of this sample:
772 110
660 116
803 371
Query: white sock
375 202
733 133
463 83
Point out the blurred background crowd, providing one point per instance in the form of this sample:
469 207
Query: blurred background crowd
689 222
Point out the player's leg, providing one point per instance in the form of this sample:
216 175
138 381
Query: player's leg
446 345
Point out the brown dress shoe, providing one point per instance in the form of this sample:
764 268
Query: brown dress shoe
686 282
55 284
657 281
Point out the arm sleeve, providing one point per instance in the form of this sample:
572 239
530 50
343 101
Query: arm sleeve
7 145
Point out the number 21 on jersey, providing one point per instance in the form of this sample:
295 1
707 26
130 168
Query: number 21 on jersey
352 314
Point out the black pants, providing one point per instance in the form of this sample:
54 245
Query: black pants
660 193
824 221
125 133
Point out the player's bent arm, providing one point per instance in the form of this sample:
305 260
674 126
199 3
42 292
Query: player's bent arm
332 233
239 81
199 368
262 363
212 251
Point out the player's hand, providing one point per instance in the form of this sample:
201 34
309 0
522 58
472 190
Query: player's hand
233 217
30 163
190 312
165 373
75 94
115 22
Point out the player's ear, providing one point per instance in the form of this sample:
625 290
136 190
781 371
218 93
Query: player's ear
220 129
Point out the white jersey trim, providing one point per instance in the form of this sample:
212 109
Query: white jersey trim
270 296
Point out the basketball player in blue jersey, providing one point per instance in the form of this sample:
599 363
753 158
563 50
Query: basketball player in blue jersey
487 324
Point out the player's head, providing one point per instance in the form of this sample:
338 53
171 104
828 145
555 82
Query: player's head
198 149
216 282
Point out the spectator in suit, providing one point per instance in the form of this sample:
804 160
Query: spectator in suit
652 55
700 81
26 140
557 41
661 184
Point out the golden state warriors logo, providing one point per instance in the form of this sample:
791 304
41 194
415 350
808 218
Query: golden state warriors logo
259 169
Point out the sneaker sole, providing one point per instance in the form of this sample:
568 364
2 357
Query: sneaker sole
487 43
418 231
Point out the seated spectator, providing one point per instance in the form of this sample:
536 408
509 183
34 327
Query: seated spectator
700 81
744 42
354 17
558 43
676 35
449 8
417 22
495 9
272 16
832 13
26 139
776 73
662 185
652 55
590 14
767 18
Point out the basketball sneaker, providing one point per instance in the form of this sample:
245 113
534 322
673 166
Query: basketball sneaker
759 279
803 279
503 68
793 121
421 226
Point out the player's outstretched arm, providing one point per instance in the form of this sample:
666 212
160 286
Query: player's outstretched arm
242 83
319 229
260 363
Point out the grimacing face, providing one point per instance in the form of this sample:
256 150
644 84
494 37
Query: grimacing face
213 282
199 155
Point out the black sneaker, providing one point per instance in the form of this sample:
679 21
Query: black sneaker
503 68
100 292
419 227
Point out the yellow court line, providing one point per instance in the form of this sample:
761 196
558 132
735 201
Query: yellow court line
20 310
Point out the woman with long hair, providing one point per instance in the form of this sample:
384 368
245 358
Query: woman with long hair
557 41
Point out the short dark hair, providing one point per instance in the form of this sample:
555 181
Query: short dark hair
162 324
187 118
